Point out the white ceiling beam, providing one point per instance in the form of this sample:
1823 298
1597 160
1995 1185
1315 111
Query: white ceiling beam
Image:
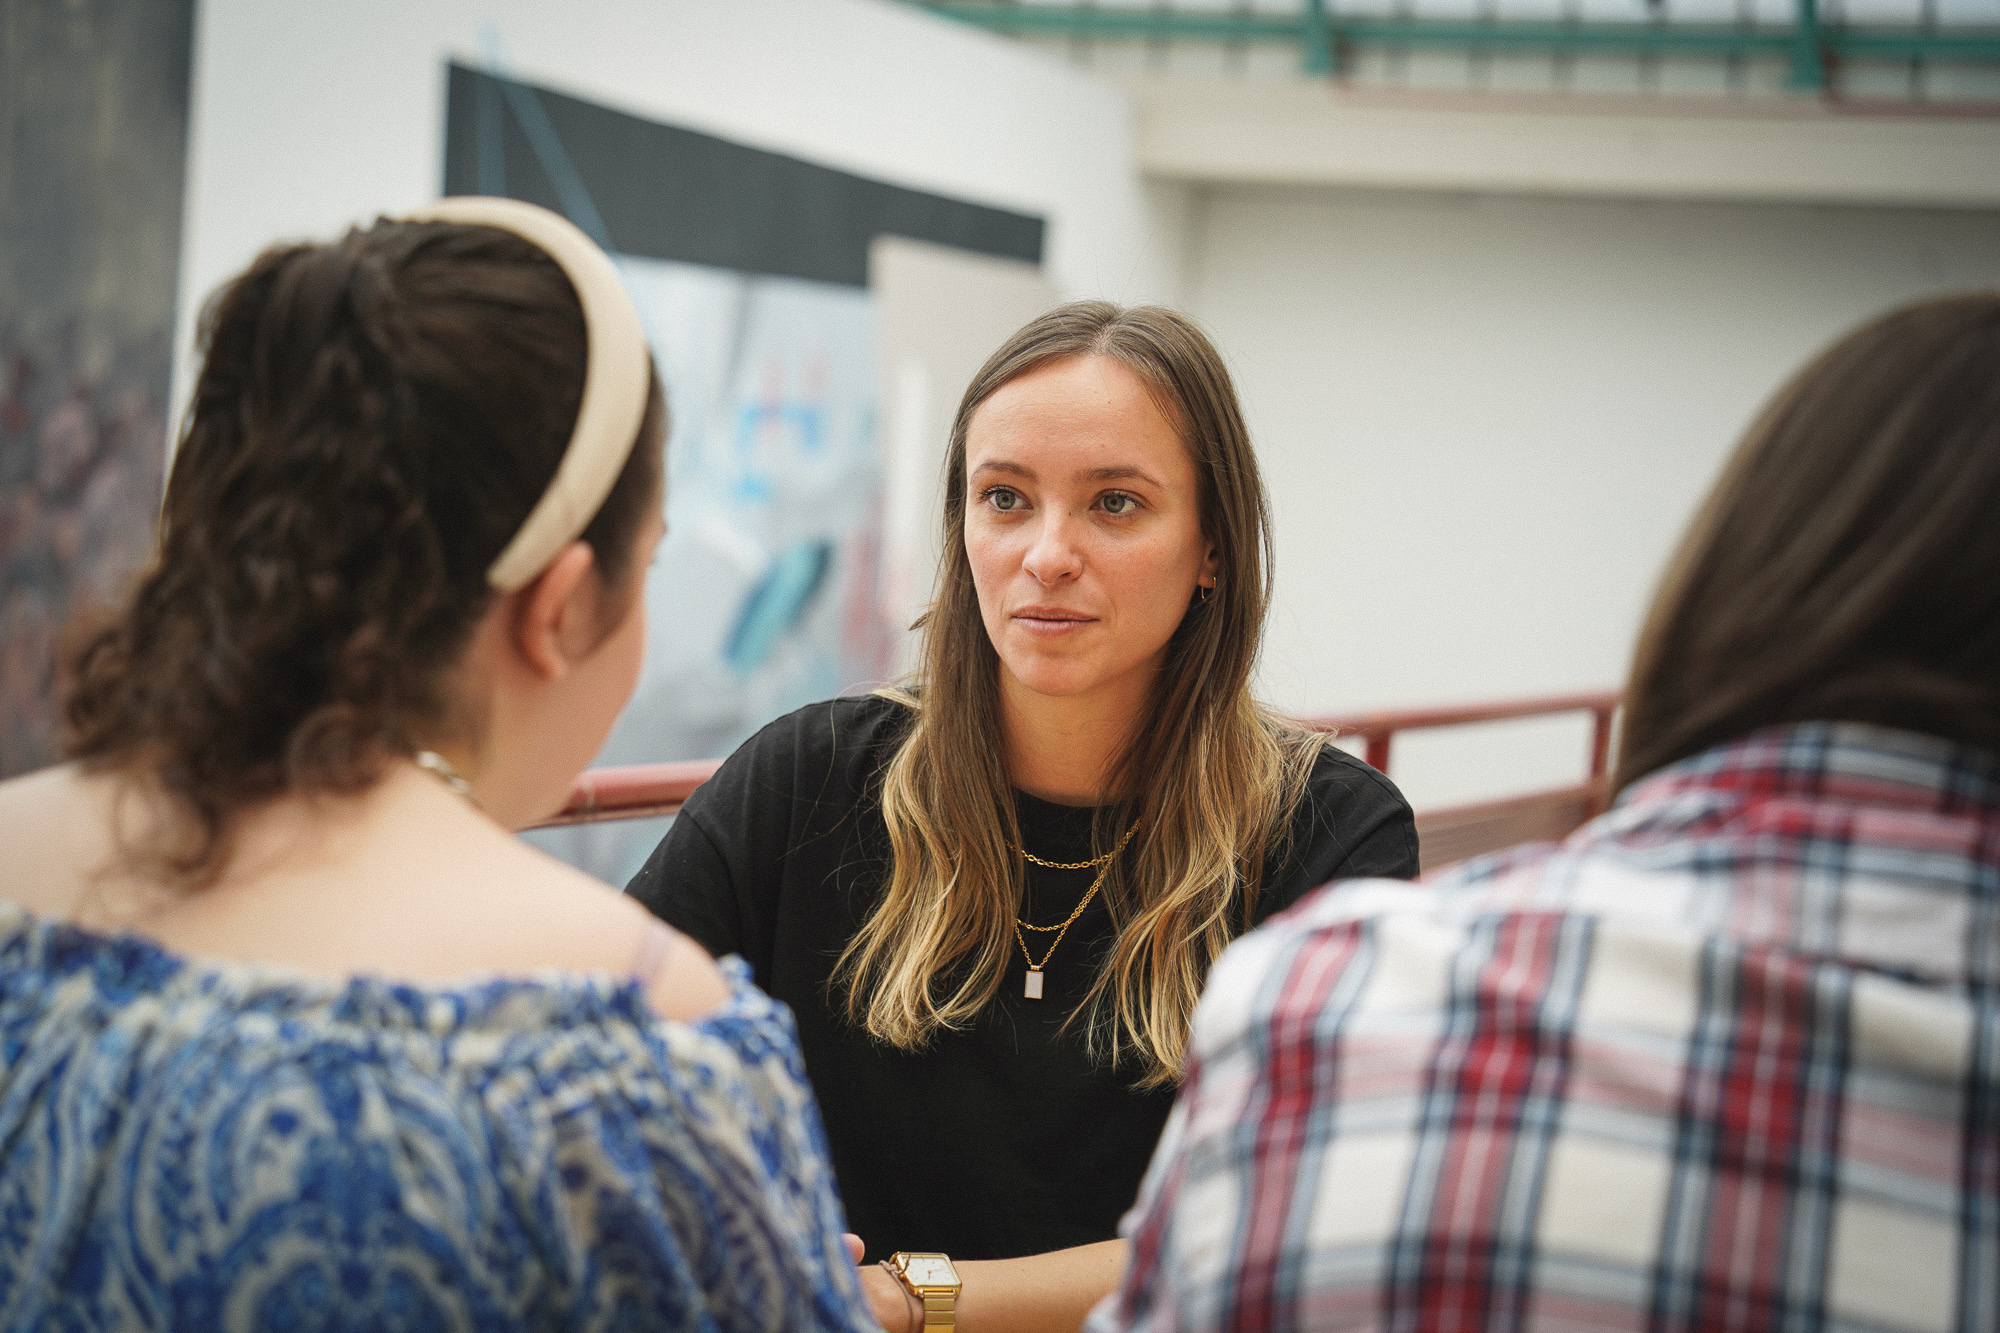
1766 149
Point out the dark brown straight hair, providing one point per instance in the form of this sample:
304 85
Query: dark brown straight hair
374 418
1846 566
1212 777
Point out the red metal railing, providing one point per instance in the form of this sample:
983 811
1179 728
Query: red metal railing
1459 831
1379 727
1446 835
635 792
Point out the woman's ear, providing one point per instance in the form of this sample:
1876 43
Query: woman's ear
1211 568
555 621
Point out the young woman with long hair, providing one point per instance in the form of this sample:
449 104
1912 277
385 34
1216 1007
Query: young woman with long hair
297 1033
991 896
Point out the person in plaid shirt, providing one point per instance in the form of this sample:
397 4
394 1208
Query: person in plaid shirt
1729 1056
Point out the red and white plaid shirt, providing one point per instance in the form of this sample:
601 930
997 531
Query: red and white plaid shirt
1728 1058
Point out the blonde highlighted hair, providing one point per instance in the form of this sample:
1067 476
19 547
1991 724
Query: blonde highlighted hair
1210 777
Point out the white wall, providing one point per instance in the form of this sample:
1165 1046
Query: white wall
1484 420
308 115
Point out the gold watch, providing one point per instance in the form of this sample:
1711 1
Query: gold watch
933 1281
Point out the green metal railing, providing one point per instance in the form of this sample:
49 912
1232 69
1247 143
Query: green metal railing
1326 40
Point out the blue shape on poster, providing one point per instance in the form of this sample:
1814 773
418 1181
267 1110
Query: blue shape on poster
776 604
806 423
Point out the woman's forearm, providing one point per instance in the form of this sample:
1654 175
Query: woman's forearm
1041 1293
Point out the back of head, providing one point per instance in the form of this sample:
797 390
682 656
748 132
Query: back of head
1846 566
374 419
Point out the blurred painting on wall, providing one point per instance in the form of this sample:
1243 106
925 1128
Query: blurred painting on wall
94 101
765 581
751 271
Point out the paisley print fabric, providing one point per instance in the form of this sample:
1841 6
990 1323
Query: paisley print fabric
196 1146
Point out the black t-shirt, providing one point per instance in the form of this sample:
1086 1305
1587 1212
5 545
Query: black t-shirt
1002 1139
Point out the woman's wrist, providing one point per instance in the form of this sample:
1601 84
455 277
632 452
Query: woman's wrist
912 1310
890 1300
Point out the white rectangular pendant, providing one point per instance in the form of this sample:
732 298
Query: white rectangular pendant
1033 988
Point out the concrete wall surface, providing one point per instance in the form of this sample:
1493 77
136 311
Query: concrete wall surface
1485 419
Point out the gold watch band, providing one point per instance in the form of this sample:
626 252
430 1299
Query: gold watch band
940 1310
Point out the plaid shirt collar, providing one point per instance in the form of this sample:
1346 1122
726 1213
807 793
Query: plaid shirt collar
1842 839
1849 762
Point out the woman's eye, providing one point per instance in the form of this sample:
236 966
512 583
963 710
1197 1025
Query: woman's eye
1002 499
1118 504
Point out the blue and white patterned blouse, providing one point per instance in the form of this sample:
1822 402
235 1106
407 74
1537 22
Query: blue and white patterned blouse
218 1146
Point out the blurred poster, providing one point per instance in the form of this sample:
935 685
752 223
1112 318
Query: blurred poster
761 598
774 502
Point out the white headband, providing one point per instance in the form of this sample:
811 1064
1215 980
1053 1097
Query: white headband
617 379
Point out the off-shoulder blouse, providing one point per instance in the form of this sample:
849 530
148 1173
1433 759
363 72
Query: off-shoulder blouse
193 1145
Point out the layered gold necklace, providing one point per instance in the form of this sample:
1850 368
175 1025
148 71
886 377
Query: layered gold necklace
1032 986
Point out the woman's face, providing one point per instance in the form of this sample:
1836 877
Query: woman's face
1083 529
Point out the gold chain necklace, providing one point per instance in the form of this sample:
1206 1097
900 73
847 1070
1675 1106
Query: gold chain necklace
1031 987
1091 864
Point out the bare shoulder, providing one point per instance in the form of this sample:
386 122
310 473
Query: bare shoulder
587 925
43 790
25 804
685 984
57 836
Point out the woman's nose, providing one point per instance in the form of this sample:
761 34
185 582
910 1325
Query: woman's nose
1054 556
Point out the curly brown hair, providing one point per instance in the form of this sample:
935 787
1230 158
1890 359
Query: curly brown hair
373 421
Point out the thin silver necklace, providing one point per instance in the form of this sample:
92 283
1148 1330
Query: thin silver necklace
441 768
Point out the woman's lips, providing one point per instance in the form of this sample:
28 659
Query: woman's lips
1051 622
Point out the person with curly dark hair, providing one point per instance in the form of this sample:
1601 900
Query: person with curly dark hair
297 1032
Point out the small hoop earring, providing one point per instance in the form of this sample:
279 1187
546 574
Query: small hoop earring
1205 591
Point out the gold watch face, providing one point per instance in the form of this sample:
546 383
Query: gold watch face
930 1270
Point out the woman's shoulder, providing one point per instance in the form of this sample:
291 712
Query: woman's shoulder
56 835
30 869
1341 780
843 741
1349 821
69 988
836 726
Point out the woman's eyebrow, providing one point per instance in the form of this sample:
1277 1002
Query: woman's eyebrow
1003 465
1126 473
